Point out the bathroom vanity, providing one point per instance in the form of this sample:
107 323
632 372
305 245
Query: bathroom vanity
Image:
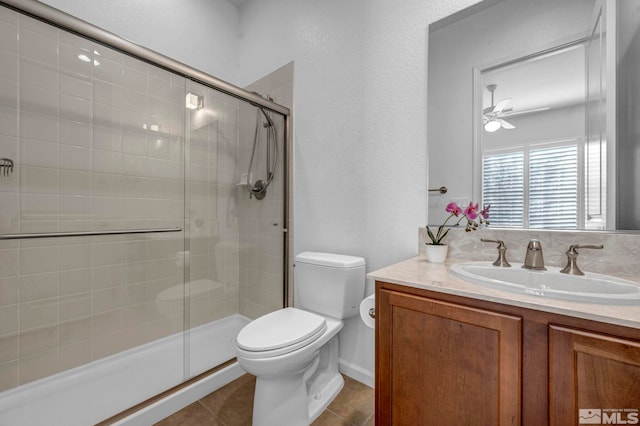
452 352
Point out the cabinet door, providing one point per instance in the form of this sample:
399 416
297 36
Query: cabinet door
441 363
594 378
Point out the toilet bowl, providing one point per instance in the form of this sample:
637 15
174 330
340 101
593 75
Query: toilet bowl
293 352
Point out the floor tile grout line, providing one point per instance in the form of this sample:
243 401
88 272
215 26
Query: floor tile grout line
215 417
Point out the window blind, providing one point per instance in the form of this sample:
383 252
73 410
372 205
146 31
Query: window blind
503 188
553 187
537 188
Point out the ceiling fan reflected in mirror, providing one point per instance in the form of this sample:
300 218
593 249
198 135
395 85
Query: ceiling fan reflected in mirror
492 115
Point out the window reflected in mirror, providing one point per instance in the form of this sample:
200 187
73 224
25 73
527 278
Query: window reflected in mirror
539 169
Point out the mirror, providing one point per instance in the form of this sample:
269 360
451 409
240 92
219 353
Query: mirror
522 101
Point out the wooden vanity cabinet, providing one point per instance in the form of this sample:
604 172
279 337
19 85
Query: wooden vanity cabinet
444 359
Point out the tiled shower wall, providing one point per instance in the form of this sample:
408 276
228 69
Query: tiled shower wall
213 212
96 138
261 221
98 142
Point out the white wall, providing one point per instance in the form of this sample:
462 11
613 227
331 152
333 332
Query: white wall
199 33
360 111
360 120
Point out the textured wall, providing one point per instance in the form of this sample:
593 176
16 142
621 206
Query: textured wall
360 126
199 33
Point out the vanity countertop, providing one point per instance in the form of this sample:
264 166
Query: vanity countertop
417 272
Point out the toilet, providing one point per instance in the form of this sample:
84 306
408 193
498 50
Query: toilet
293 352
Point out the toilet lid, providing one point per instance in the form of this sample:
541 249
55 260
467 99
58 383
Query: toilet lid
279 329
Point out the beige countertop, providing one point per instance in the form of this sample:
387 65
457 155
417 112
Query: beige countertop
417 272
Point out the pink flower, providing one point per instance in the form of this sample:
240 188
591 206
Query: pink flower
485 211
454 209
471 212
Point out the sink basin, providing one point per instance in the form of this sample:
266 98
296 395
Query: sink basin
595 288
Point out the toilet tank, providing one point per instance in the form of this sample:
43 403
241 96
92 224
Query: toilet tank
329 284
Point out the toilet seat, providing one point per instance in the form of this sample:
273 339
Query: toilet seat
280 332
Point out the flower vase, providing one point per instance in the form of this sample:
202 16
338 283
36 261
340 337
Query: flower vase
436 253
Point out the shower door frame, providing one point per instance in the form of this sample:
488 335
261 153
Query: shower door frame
62 20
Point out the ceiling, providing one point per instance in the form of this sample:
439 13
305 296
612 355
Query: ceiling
552 80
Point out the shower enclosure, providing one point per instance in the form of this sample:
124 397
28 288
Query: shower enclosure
132 249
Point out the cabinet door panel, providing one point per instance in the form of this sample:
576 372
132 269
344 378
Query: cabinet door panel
442 363
593 375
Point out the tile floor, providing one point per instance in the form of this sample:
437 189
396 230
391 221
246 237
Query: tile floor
232 405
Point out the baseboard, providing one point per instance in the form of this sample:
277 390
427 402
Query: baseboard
357 372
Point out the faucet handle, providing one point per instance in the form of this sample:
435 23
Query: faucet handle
502 250
572 256
574 247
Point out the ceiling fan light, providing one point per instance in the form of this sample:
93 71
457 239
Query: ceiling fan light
492 126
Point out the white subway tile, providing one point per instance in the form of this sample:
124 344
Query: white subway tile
134 142
75 207
39 340
9 37
38 366
36 73
75 331
106 254
75 109
76 158
109 71
107 300
107 161
9 291
10 213
75 281
9 319
134 79
76 85
38 100
107 208
106 277
8 121
78 134
108 185
38 286
39 153
9 92
38 313
39 180
38 47
38 127
76 182
75 306
35 260
75 61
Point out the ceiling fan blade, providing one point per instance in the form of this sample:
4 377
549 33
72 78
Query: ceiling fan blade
511 112
506 124
501 105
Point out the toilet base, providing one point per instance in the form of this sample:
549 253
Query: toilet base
298 399
320 401
286 402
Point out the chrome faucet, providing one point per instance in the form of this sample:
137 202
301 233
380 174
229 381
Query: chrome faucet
533 258
572 256
502 251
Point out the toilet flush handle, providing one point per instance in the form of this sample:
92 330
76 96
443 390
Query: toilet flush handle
372 313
